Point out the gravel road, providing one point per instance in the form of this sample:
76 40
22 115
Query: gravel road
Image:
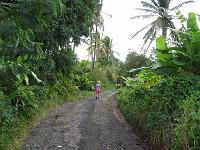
89 124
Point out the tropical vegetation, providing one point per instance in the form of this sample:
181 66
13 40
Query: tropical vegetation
38 66
163 100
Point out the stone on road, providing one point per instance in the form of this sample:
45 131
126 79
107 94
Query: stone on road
85 125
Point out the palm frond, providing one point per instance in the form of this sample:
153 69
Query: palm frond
160 22
142 29
161 11
149 5
154 2
151 41
143 16
171 25
180 5
173 34
147 10
149 35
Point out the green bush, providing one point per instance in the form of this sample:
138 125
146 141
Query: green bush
168 111
25 102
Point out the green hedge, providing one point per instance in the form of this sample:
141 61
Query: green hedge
15 119
168 112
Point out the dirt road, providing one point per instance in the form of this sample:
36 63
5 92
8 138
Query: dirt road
89 124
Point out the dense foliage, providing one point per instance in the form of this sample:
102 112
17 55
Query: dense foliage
39 69
166 95
169 111
38 66
185 55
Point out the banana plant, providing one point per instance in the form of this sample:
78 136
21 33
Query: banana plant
24 96
128 81
185 55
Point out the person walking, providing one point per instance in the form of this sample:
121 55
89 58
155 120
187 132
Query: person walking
98 89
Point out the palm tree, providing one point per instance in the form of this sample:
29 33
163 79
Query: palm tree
106 54
91 48
95 33
162 12
96 30
106 47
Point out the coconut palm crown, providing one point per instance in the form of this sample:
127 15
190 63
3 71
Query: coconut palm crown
162 12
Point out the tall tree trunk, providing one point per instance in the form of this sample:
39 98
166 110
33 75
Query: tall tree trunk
164 29
96 46
164 32
74 47
93 61
91 43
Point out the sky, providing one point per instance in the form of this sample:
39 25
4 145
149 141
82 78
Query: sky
120 27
